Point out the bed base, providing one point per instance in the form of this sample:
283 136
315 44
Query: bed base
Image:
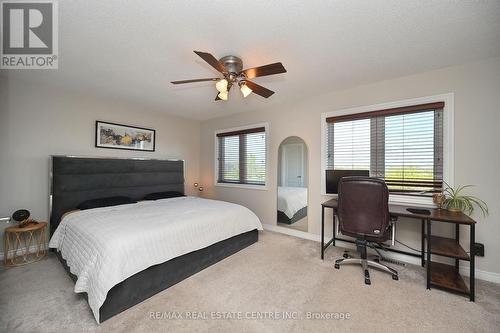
154 279
283 218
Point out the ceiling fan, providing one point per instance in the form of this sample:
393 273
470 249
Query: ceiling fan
231 68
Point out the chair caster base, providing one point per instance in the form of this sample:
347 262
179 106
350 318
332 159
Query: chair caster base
367 277
345 255
395 277
337 266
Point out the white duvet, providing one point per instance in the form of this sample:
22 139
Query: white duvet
291 199
105 246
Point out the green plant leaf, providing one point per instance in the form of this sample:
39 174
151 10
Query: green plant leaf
461 188
465 203
479 203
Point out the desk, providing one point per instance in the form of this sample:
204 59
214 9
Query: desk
438 275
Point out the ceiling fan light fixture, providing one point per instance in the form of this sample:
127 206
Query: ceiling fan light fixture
221 86
245 90
223 95
231 67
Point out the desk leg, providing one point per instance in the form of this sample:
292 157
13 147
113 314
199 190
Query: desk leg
428 254
422 249
322 232
457 238
334 226
472 280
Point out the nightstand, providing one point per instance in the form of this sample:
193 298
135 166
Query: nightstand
29 241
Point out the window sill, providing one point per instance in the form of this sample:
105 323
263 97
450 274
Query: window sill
243 186
409 200
402 200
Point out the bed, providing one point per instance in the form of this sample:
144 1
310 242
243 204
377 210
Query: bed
292 204
121 255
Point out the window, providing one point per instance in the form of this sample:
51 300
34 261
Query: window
352 145
242 156
402 145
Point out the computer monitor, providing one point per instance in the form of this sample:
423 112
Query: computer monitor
333 178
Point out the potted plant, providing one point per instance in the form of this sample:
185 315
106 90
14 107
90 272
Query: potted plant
457 202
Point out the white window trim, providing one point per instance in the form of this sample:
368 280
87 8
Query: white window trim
448 140
216 161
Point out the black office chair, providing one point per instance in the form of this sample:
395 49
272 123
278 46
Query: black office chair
363 212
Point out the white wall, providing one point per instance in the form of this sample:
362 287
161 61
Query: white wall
38 121
477 138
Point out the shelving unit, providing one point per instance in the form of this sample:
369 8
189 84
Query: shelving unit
444 276
448 247
447 277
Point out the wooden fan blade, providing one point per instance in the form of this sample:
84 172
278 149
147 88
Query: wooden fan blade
259 90
271 69
195 80
212 61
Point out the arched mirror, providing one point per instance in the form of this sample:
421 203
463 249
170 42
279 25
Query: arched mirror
292 183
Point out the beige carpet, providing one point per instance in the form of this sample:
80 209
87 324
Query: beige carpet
279 273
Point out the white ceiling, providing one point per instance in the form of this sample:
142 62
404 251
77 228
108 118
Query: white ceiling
131 50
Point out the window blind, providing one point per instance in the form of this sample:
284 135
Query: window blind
404 146
352 145
242 156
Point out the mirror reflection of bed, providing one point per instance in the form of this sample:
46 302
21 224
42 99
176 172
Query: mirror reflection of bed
292 184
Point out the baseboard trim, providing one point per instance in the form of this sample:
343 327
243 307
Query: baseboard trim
21 250
292 232
480 274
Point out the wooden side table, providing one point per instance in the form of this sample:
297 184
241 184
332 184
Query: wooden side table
16 238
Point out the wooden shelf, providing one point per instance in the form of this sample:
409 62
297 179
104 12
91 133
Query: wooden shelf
448 247
447 277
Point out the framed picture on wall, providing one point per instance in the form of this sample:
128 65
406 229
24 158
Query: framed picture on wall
118 136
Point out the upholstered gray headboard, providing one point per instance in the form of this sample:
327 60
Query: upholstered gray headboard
76 179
